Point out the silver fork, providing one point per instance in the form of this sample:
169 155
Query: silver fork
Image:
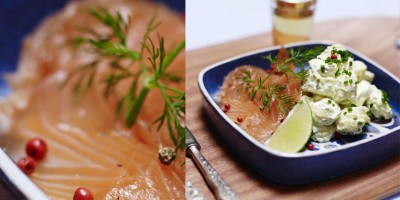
221 190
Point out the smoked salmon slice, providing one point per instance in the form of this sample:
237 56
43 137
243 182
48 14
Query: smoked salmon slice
251 114
88 146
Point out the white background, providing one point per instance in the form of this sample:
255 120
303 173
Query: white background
210 22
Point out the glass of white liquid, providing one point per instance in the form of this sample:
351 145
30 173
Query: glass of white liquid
292 20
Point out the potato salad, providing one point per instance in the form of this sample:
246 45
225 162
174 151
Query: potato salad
342 99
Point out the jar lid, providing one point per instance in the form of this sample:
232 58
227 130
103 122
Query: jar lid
295 4
294 8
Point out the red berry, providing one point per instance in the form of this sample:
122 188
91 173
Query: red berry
83 194
227 106
272 68
310 146
36 148
239 119
333 57
27 165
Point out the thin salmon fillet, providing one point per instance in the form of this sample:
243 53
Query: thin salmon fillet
258 123
89 146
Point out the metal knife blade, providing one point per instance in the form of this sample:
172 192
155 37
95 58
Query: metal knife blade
221 190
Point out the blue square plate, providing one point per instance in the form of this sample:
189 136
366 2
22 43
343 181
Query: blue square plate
328 160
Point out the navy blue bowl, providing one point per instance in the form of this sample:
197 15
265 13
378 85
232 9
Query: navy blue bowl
328 160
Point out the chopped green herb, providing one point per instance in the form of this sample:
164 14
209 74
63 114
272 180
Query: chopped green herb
344 54
337 73
369 113
348 73
350 109
385 98
329 61
323 68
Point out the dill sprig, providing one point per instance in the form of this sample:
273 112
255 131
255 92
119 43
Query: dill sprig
298 57
247 81
275 91
152 76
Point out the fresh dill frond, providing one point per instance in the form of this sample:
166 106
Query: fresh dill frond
153 72
85 76
275 92
302 74
246 80
257 87
114 49
298 57
254 84
270 58
116 23
268 94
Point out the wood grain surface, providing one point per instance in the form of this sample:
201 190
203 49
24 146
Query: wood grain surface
373 37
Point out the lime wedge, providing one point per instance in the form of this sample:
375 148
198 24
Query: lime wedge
292 135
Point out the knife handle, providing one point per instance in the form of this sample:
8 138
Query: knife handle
222 190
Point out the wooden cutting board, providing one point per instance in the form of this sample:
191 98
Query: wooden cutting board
373 37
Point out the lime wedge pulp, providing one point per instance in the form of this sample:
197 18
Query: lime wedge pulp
292 135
